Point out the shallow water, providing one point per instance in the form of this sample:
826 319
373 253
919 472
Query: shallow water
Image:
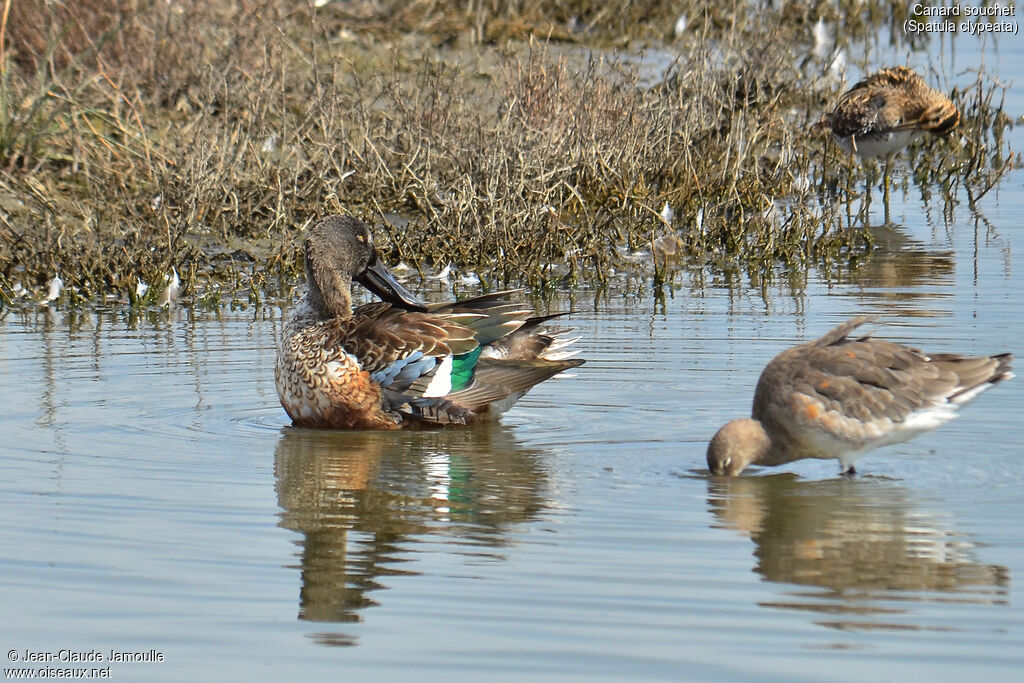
154 497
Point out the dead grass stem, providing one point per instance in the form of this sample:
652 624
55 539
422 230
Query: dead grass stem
139 137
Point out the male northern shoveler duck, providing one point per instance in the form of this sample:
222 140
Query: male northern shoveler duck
841 396
885 112
401 362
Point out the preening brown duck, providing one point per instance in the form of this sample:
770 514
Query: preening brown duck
401 362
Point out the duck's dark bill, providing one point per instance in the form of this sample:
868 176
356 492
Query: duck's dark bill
381 282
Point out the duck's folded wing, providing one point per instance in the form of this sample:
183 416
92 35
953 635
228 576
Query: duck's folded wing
395 346
377 334
496 380
868 381
865 390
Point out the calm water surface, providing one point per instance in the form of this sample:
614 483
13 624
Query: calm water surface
153 497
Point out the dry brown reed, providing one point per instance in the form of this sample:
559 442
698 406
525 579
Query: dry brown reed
139 137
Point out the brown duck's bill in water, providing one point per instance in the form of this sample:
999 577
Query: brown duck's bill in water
379 280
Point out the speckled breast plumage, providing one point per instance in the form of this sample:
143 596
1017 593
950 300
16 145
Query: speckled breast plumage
321 385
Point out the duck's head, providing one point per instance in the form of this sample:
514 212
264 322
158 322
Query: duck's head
736 445
339 250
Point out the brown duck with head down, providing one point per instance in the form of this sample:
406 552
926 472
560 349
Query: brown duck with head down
401 362
885 112
841 396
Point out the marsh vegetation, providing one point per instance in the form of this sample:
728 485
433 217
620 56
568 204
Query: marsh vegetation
523 141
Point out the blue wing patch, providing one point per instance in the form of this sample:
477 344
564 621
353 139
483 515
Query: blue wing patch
404 371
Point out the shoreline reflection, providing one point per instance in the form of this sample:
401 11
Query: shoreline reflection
902 274
866 545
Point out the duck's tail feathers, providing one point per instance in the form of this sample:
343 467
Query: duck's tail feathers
534 340
975 375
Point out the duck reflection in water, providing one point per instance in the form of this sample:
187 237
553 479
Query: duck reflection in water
361 499
863 541
901 274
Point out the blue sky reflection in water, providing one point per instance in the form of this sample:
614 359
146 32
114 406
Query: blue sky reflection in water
153 495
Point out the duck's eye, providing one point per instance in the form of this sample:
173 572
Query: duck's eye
361 238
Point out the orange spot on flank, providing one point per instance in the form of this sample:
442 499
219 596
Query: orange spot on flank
812 411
